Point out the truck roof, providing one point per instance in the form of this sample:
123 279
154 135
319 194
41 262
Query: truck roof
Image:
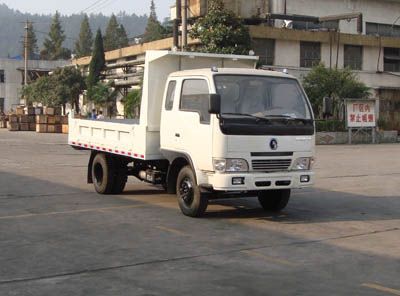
237 71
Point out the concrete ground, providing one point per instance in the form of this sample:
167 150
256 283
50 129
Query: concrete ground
58 237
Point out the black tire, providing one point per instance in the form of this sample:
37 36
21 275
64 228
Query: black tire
274 200
103 174
120 177
191 201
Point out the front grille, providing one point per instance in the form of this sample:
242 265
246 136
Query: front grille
271 165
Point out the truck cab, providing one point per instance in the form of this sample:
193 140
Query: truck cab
240 131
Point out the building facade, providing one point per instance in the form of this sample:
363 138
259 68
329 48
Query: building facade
12 79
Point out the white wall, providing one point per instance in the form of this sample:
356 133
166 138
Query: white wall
377 11
11 89
287 53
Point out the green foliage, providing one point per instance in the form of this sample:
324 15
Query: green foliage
104 96
339 84
330 126
221 31
154 29
83 46
53 45
132 103
63 86
115 36
111 35
123 40
97 63
31 43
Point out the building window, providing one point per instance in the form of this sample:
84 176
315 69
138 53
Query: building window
391 59
382 30
310 54
2 76
265 49
1 105
311 26
353 57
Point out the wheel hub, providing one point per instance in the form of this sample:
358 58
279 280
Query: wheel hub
186 191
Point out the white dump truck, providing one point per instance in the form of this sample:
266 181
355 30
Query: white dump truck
210 126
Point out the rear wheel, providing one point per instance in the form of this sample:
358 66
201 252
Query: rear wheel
120 176
103 174
191 201
274 200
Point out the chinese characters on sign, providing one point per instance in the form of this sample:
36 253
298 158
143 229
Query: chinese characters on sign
361 113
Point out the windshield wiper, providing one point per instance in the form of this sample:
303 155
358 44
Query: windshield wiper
288 118
258 118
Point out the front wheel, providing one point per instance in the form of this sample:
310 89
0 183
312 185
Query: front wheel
191 201
274 200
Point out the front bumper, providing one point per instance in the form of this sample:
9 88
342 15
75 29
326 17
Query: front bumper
260 181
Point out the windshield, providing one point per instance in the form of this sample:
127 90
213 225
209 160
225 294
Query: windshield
262 96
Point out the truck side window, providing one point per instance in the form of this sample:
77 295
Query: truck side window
194 98
169 100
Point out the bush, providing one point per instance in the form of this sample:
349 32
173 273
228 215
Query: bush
330 126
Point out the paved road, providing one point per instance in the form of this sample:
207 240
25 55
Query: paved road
57 237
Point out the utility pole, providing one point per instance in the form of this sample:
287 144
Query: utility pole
26 53
184 24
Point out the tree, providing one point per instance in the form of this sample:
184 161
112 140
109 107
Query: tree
111 40
83 46
154 29
62 87
97 63
31 43
123 40
132 103
338 84
221 31
53 45
104 96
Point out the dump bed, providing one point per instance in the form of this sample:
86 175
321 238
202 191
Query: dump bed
141 138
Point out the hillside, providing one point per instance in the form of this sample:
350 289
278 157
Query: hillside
12 27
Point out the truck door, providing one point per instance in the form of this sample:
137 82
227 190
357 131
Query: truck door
193 130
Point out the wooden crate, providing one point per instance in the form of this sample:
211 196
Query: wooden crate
57 119
51 128
58 128
41 119
13 118
41 128
23 118
13 126
65 128
32 127
48 111
24 127
30 111
20 111
51 119
31 119
38 110
64 120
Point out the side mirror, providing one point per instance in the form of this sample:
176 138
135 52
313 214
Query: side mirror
214 106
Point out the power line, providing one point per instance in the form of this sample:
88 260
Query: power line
47 33
90 6
105 4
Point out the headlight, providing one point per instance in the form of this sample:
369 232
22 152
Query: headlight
302 164
230 165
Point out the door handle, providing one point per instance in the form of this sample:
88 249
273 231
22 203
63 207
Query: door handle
177 135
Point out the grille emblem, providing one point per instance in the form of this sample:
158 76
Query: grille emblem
273 144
